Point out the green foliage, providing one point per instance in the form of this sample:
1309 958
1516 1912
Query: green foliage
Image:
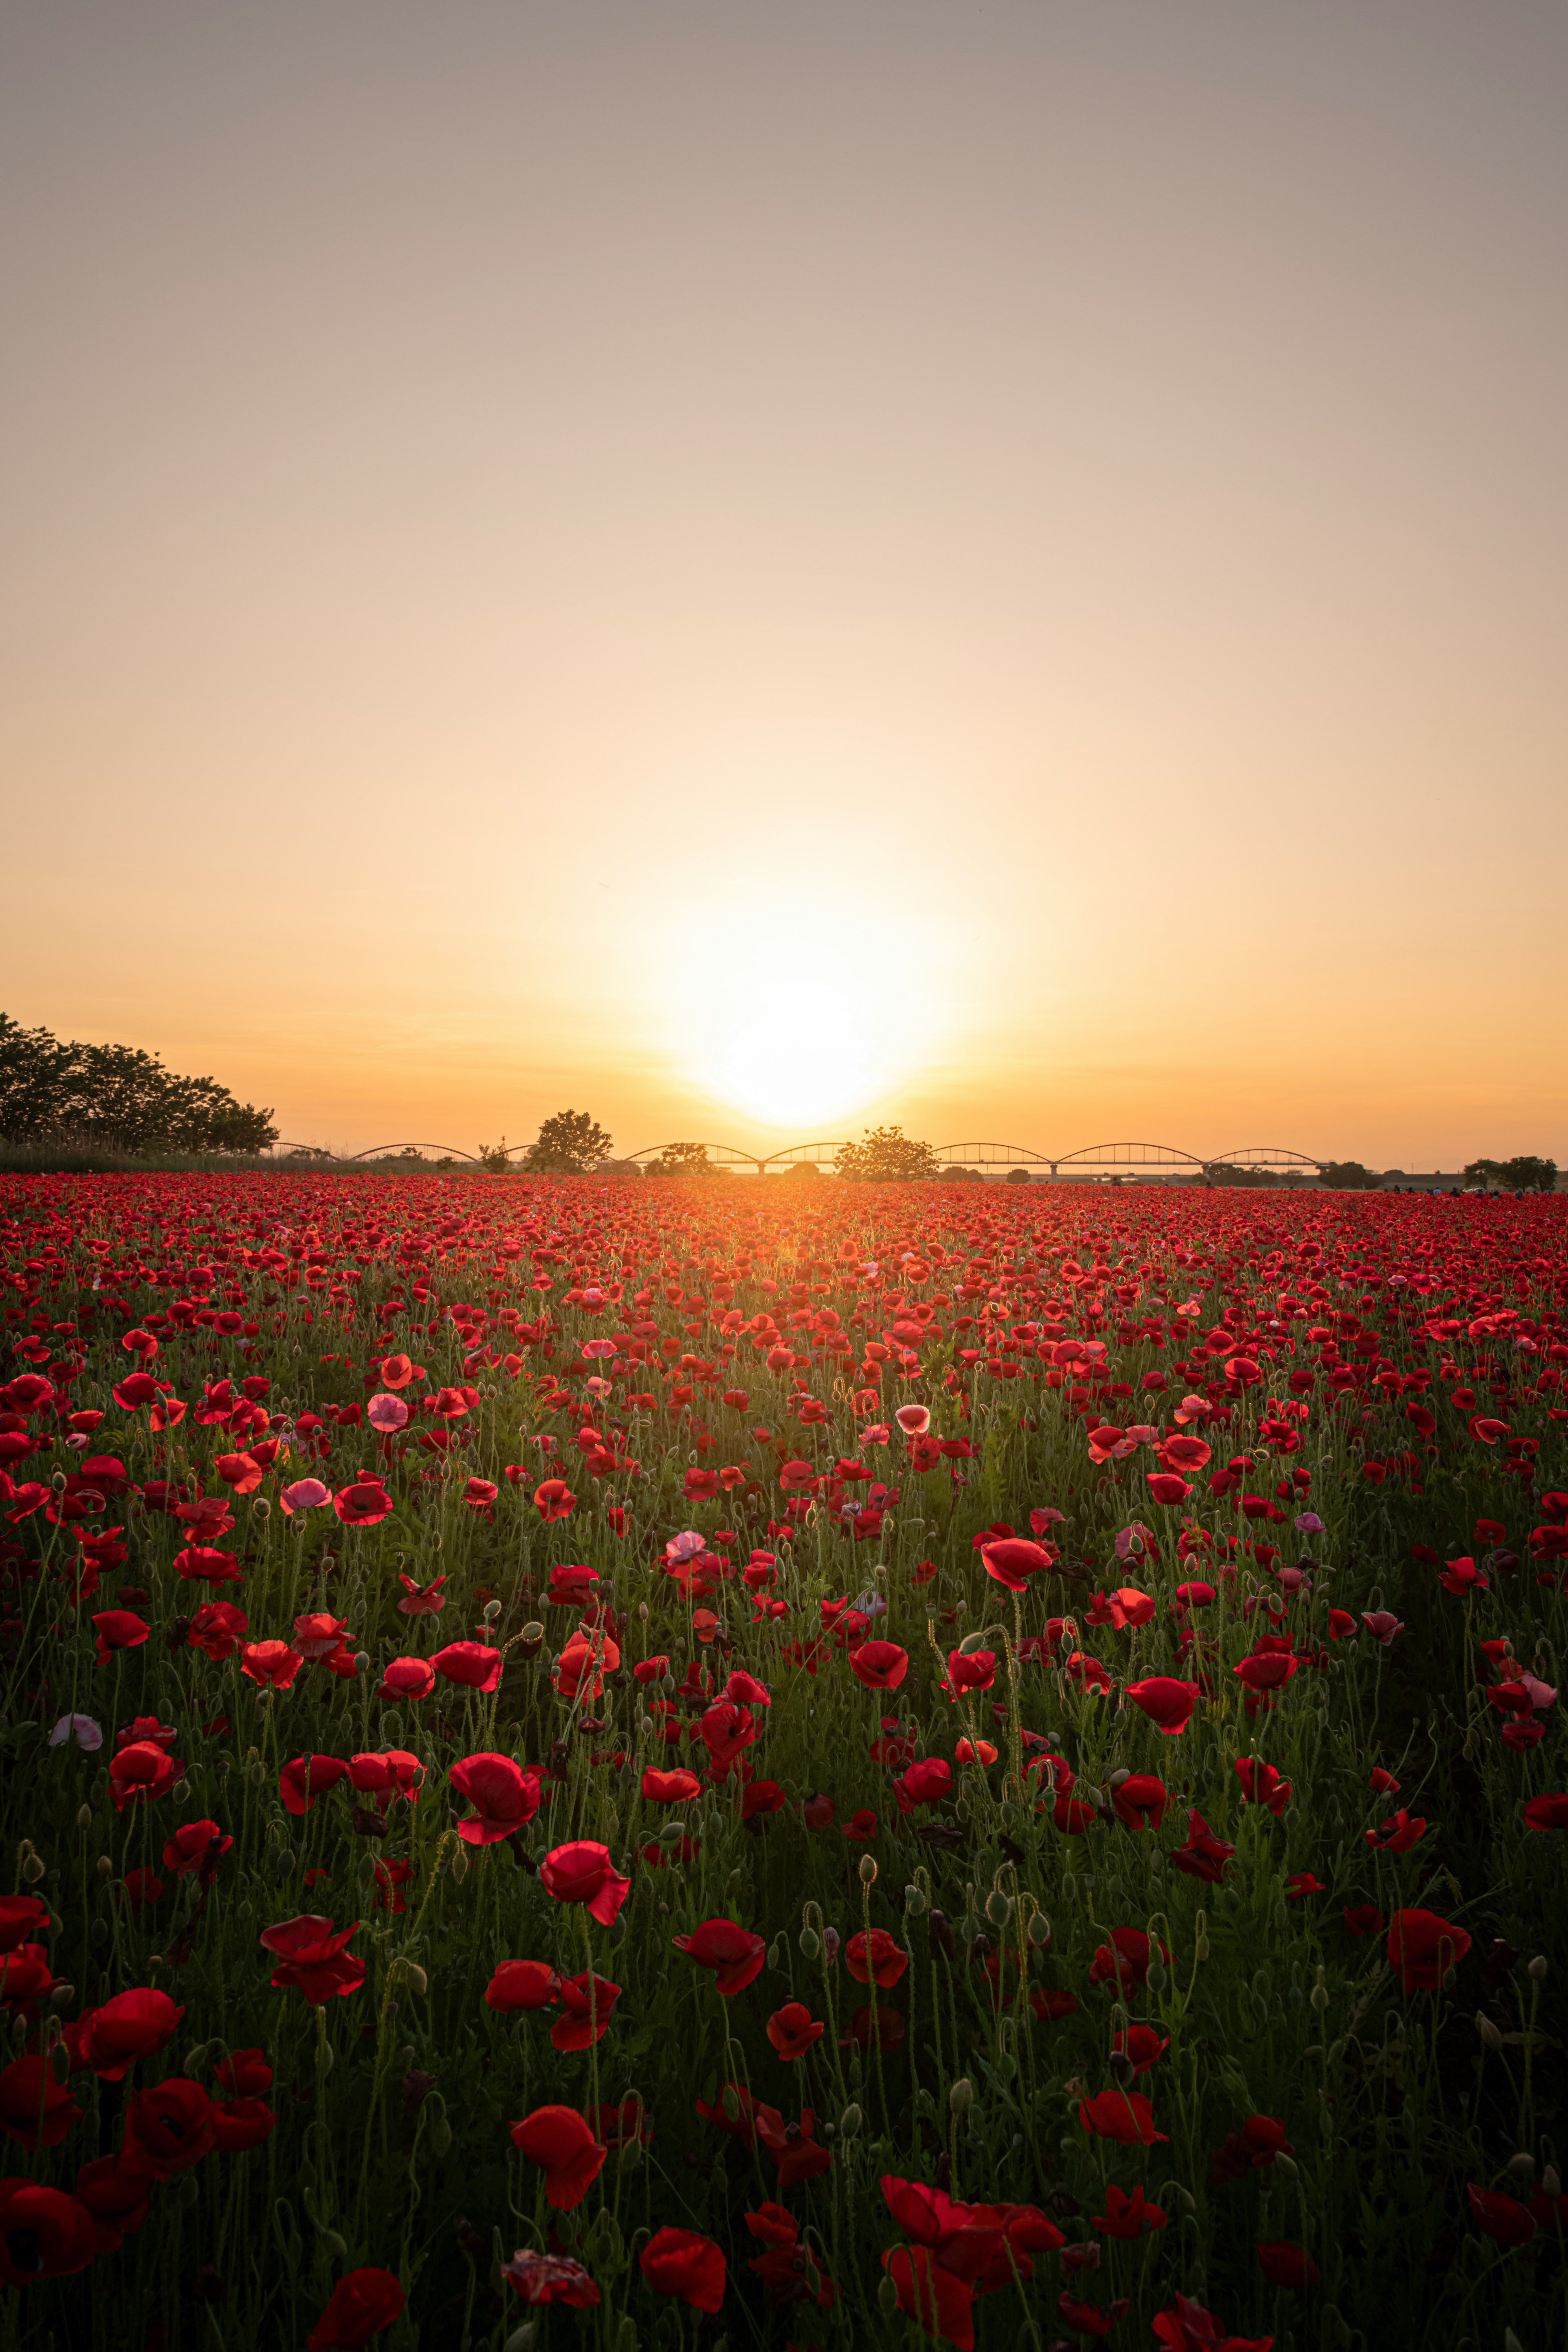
1525 1173
684 1159
885 1155
116 1096
1348 1176
569 1144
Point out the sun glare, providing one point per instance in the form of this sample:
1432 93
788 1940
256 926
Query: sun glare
802 1015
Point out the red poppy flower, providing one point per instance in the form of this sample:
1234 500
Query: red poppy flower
1143 2044
1421 1949
44 2233
1364 1919
503 1795
587 2011
733 1954
1397 1835
942 2304
553 1499
319 1634
386 1774
273 1664
195 1848
684 2264
472 1665
34 2110
311 1955
1013 1560
364 1504
22 1918
792 2146
244 2074
523 1984
132 2025
580 1872
559 2141
170 2128
1501 2218
1261 1784
117 2191
1125 1960
880 1666
1167 1487
1128 2218
363 2303
120 1628
1165 1702
239 2125
1188 2328
926 1782
1122 2115
551 2278
1140 1801
140 1772
875 1958
1285 2265
1266 1671
792 2029
407 1678
1549 1811
677 1788
216 1629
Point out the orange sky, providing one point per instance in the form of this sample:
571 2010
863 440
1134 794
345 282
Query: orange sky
755 569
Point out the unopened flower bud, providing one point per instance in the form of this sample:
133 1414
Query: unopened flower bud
1521 2166
105 1865
1550 2184
961 2098
886 2296
460 1865
84 1817
850 2122
1488 2032
914 1902
1538 1968
810 1943
33 1869
868 1871
1285 2164
414 1977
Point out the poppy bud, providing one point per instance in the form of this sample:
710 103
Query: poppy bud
850 2122
105 1865
961 2098
362 1661
1320 1998
1039 1931
332 2244
1522 2164
1551 2185
886 2295
84 1818
1155 1979
1284 2164
33 1870
416 1977
492 1611
460 1865
914 1902
1538 1968
998 1907
1488 2031
1069 1888
1122 2067
868 1871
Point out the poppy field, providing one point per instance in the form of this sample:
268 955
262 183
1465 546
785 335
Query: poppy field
746 1763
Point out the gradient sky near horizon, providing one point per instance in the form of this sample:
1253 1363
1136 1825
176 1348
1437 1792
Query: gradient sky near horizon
757 568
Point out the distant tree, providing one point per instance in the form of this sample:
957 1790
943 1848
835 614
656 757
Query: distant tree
1348 1176
116 1094
492 1156
1018 1176
683 1159
954 1174
797 1168
885 1155
1524 1173
569 1144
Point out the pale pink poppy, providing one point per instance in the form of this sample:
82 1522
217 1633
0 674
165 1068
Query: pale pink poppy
914 1420
305 1494
386 1414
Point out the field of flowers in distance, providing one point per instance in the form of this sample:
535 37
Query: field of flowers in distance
763 1764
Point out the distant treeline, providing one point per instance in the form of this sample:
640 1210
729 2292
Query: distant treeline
116 1096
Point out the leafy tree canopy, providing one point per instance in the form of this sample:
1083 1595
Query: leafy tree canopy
885 1155
1525 1173
1348 1176
116 1095
569 1143
683 1159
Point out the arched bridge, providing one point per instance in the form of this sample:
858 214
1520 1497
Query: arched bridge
1096 1162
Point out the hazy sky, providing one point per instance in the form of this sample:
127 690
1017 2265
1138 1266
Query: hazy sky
758 565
